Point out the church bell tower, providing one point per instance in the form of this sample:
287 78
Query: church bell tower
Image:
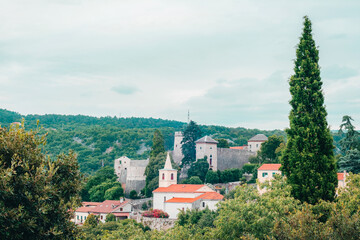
167 175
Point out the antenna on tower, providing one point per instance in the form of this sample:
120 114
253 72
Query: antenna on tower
188 116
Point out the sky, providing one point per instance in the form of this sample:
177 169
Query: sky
227 62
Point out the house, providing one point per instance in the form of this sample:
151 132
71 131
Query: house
172 197
254 143
121 209
267 171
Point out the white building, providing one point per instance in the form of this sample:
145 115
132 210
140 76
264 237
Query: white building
254 143
172 197
121 209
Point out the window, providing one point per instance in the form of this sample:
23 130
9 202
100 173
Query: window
81 218
200 148
274 173
163 176
164 199
121 209
203 204
257 145
264 174
210 147
172 176
125 168
210 162
85 218
120 162
77 217
101 217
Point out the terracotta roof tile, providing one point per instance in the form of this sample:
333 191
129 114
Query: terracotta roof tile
206 139
270 167
184 188
258 138
205 196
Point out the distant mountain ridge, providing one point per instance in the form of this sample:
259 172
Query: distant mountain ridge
98 140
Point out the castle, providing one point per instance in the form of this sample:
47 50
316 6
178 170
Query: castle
220 158
131 173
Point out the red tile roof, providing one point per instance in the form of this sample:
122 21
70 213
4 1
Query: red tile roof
181 188
121 214
239 147
270 167
181 200
87 204
340 176
205 196
105 207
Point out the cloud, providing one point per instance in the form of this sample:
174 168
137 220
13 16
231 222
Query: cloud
338 72
125 89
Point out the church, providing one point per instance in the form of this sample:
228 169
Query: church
172 197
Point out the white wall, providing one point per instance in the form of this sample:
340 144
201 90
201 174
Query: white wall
268 177
158 200
254 146
173 209
80 217
209 150
211 204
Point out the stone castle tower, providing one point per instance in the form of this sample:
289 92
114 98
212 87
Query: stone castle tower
177 153
167 175
207 146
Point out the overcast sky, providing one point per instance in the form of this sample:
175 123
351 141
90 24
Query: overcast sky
228 62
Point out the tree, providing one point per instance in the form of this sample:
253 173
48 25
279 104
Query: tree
110 218
350 162
268 153
157 144
199 168
212 177
193 180
222 143
115 192
133 194
351 140
308 160
191 134
152 172
36 193
91 221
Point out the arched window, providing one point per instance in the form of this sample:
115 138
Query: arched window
163 176
172 176
210 160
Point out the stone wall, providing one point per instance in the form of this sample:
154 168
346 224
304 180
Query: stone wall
232 158
156 223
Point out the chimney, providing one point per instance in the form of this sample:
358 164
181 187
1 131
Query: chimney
121 200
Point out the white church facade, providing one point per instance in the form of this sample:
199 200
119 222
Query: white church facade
172 197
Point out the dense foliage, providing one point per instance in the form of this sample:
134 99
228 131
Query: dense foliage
101 140
103 185
308 160
199 168
35 192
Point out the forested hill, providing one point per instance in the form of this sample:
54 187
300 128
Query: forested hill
104 139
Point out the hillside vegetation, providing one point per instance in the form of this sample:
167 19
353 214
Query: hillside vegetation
101 140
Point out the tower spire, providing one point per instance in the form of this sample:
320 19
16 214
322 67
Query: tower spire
168 162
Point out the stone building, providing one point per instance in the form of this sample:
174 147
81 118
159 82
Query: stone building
177 153
254 143
221 158
131 173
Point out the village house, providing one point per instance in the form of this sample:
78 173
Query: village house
172 197
121 209
267 171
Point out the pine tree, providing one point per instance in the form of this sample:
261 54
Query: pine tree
308 160
191 134
157 144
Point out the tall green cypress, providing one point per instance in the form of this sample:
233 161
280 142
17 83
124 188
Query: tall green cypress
308 160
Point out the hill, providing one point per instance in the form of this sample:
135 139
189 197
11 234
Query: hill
101 140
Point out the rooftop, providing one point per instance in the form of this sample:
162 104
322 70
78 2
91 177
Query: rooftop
183 188
258 138
270 167
206 139
205 196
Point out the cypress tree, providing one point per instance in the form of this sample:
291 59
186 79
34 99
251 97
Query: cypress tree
157 144
308 160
